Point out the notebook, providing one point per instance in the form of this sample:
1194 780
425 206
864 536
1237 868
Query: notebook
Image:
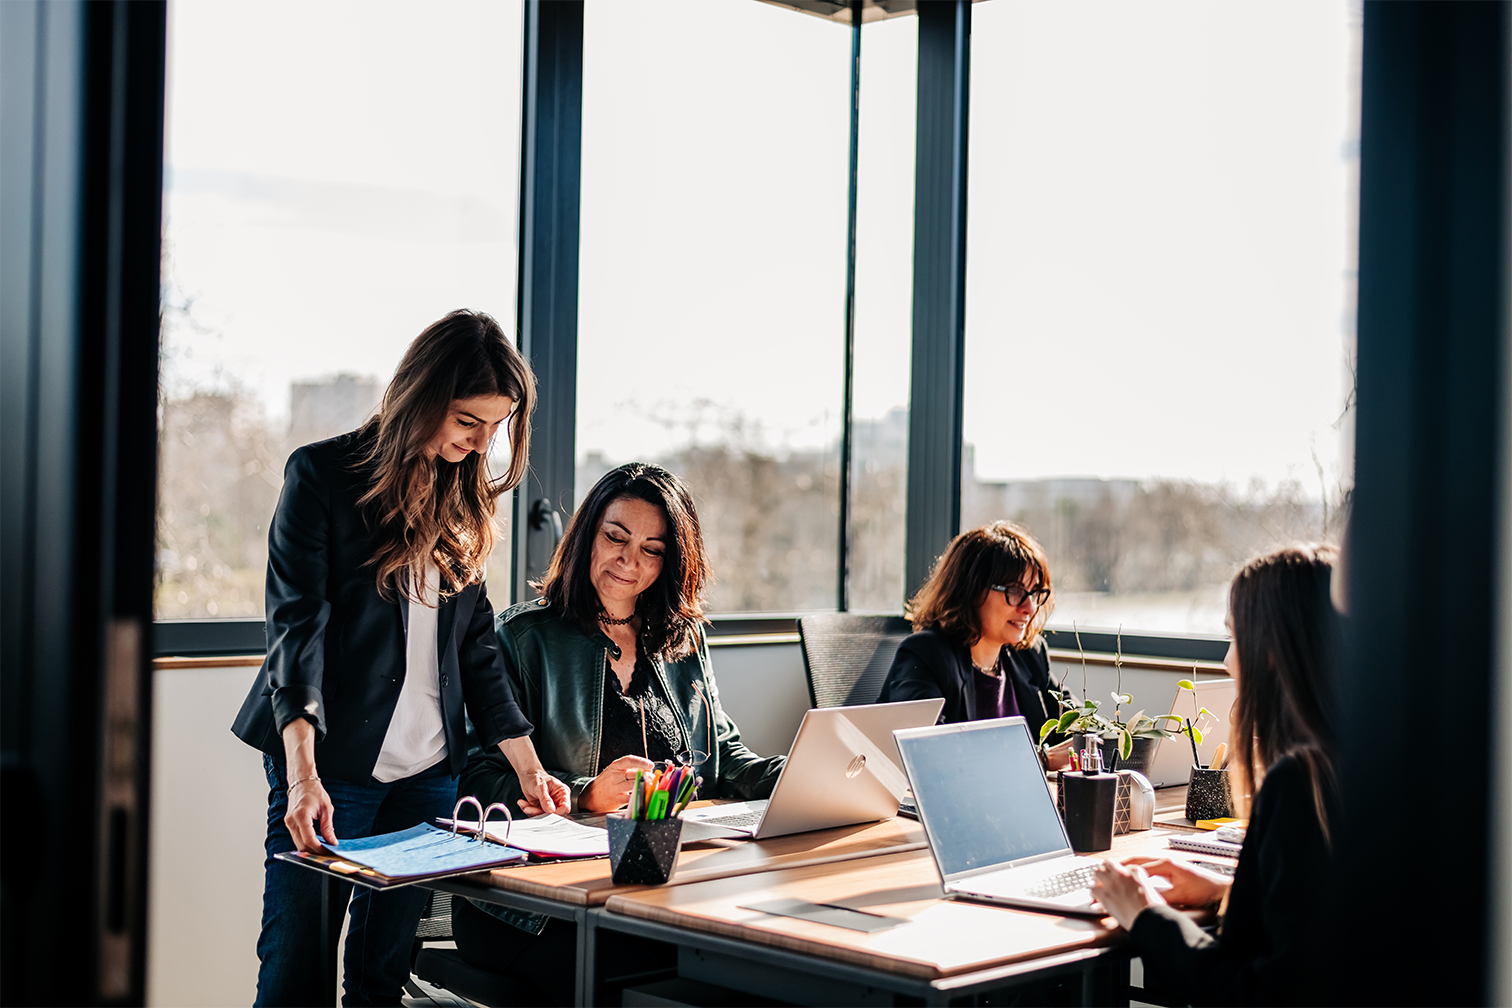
1172 763
843 768
990 819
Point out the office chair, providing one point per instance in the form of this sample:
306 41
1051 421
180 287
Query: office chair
846 656
445 967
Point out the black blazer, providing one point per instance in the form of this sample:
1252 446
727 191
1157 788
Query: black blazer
1277 937
930 664
336 647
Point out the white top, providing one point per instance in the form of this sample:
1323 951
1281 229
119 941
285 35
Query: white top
416 738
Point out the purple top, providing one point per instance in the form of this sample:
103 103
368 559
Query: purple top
993 697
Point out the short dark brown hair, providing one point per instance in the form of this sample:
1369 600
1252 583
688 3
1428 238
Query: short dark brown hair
997 554
671 610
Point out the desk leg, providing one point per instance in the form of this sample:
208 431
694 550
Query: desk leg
587 959
332 911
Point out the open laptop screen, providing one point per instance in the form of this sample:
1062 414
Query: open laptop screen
981 793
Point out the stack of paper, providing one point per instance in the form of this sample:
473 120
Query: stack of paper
548 835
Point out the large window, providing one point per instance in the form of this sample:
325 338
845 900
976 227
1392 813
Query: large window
1160 292
339 176
712 291
884 313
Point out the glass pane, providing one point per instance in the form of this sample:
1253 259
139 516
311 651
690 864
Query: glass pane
884 312
339 176
712 297
1160 292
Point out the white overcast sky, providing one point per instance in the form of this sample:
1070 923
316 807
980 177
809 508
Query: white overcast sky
1159 259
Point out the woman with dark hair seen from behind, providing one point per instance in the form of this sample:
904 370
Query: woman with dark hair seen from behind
612 664
380 633
977 643
1268 947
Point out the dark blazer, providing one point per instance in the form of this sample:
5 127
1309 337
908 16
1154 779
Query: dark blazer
930 664
1276 937
336 647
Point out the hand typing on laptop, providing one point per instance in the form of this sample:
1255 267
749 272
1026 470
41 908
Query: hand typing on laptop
1190 886
1124 892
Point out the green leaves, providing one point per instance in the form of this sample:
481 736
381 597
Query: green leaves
1122 698
1185 684
1048 727
1125 744
1067 720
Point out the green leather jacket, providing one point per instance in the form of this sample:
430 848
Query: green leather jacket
558 676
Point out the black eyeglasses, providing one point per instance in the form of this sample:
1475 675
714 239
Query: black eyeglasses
1016 593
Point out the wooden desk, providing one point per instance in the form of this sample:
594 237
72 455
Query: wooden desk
947 949
571 889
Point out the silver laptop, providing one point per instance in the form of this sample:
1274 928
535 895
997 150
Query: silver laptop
1172 765
843 769
990 819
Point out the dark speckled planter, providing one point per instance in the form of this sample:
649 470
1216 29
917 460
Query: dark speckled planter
643 851
1208 795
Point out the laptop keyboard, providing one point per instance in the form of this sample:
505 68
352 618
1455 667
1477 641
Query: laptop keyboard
1062 883
742 820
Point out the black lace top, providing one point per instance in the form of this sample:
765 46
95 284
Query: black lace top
622 718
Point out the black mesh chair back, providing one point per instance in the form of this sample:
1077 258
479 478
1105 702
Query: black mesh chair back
846 656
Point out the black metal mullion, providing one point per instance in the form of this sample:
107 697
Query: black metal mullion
939 305
847 406
551 124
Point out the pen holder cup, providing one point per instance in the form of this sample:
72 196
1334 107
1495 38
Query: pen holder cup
1208 795
643 851
1125 815
1087 804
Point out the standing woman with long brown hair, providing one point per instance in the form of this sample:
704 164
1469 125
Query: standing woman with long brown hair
380 635
1271 943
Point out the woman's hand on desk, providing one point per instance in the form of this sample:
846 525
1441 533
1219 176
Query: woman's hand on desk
1190 886
1123 892
308 805
543 792
611 789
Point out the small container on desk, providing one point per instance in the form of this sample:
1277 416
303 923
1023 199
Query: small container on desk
1208 795
1087 803
643 851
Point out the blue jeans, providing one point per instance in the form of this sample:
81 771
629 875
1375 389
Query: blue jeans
382 932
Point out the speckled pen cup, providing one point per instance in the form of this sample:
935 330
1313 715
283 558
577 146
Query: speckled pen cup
1208 795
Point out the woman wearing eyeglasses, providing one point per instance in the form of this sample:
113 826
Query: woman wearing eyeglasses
977 623
612 666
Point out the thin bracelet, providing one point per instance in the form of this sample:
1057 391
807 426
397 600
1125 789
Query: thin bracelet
302 780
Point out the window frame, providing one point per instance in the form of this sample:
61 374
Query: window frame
549 213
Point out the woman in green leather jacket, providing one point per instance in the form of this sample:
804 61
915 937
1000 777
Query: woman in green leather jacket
612 667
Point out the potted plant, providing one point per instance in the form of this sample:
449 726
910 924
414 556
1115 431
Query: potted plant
1127 744
1081 716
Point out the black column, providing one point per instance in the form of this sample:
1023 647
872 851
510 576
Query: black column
939 306
81 202
550 189
1418 684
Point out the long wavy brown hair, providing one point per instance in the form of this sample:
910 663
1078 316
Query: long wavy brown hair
671 610
1285 631
997 554
421 507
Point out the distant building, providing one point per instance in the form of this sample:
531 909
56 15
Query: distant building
329 406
